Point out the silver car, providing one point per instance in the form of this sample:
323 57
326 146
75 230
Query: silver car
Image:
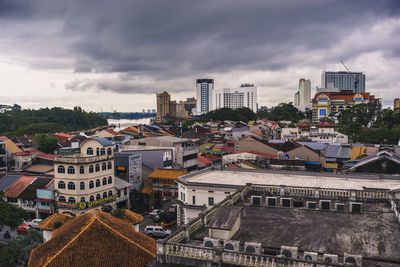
156 231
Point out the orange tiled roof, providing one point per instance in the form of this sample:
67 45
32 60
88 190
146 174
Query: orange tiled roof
166 174
204 160
48 223
19 186
112 132
95 238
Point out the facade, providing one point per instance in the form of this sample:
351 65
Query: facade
349 81
3 156
244 96
163 105
329 104
302 98
396 104
321 133
44 202
204 90
84 180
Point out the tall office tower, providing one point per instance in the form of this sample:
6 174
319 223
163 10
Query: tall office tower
302 98
350 81
205 89
244 96
163 104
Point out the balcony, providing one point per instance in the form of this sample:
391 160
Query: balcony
76 159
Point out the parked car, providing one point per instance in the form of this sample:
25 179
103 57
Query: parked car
155 212
164 217
23 229
34 223
156 231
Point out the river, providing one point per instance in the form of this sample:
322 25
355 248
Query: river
123 123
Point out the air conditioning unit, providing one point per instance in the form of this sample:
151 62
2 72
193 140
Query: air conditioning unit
252 247
256 200
330 258
310 256
210 242
289 252
272 201
232 245
350 259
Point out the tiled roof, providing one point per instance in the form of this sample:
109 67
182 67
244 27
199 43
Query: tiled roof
262 154
112 132
204 160
7 181
233 166
30 192
48 223
19 186
95 238
132 217
166 174
212 157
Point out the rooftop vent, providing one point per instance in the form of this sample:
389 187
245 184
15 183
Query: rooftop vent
310 256
330 258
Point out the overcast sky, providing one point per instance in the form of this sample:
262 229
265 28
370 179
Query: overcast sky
104 55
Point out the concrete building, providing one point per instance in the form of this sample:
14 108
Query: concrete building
84 177
163 105
396 104
302 98
351 81
204 90
321 133
3 156
244 96
184 150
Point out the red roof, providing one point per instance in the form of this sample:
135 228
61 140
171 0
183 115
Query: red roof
233 166
212 157
348 96
41 154
325 124
19 186
266 155
4 138
22 153
204 160
257 132
63 137
112 132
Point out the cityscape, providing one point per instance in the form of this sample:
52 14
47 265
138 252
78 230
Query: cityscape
200 134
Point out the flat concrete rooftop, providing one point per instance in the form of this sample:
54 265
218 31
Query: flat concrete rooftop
301 179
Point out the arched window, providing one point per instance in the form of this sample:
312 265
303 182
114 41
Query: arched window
97 151
83 199
81 170
61 169
89 151
109 165
102 151
91 169
71 170
71 186
97 167
82 186
109 180
109 151
91 184
98 196
109 193
61 199
104 194
97 182
104 181
71 200
341 108
91 198
104 166
61 185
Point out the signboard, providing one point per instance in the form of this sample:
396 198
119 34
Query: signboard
86 205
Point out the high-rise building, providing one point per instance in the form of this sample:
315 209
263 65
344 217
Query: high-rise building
163 104
302 98
349 81
396 103
244 96
205 89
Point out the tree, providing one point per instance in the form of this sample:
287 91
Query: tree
46 143
240 114
284 111
10 215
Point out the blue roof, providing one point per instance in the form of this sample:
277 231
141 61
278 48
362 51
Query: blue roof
332 151
7 181
103 141
313 145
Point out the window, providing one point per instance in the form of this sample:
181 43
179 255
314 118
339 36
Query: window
97 182
89 151
82 186
91 169
109 151
210 191
91 184
91 198
109 165
12 200
102 151
104 194
97 167
71 200
109 180
61 185
98 196
125 191
71 186
61 199
97 151
104 167
81 170
83 199
194 200
71 170
211 201
104 181
109 193
118 193
61 169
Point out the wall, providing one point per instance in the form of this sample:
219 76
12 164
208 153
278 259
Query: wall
249 144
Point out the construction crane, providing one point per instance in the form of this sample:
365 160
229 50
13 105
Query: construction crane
341 61
355 78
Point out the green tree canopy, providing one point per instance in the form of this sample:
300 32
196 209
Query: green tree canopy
240 114
11 215
284 111
46 143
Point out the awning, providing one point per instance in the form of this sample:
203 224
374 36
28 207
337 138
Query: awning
147 190
313 162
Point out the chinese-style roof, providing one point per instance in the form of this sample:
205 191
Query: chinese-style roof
95 238
48 223
166 174
41 154
19 186
326 125
63 137
303 125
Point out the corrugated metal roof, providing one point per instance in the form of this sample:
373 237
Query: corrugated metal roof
103 141
371 150
344 152
19 186
313 145
7 181
332 151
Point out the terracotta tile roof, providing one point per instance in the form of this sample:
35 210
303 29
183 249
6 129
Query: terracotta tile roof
112 132
95 238
48 223
132 217
212 157
166 174
19 186
4 138
41 154
204 160
257 132
233 166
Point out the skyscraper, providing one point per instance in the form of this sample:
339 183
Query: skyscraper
350 81
302 98
244 96
205 89
163 105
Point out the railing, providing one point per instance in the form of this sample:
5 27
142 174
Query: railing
195 226
178 237
187 251
73 159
